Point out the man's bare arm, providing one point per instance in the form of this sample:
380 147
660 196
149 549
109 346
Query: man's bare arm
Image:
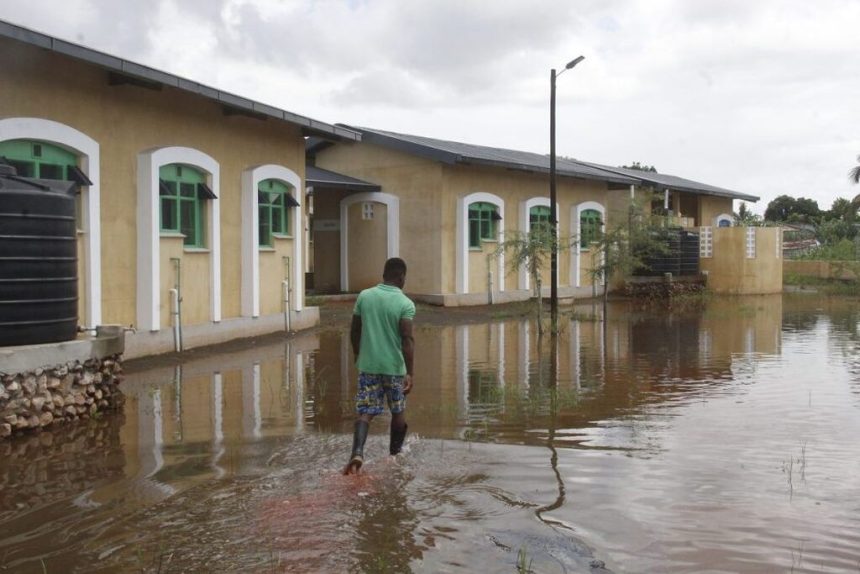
355 335
407 345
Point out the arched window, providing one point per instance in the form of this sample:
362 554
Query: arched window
539 215
183 193
482 223
42 160
274 202
589 227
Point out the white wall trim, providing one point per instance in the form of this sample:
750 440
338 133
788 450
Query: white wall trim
724 217
87 149
148 235
463 203
251 179
575 214
524 281
392 204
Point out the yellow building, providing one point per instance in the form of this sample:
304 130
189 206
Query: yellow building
191 226
444 206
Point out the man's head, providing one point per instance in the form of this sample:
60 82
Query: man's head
395 272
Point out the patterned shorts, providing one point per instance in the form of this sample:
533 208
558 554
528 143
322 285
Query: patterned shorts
372 389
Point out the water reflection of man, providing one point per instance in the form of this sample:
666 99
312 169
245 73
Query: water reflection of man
381 336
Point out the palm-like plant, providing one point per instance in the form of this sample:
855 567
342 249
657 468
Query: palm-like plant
854 172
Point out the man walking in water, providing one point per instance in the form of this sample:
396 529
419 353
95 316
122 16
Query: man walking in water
381 335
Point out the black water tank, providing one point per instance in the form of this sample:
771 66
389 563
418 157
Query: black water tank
38 260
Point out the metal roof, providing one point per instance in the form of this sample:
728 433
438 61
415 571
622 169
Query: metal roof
315 176
157 78
663 180
451 152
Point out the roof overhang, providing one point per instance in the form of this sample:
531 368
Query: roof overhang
324 178
126 72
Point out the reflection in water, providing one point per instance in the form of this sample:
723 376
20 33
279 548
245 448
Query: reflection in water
712 437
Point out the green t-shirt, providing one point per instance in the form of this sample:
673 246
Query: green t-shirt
381 308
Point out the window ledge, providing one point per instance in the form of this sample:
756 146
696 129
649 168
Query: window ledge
281 236
195 250
171 234
489 240
267 249
475 249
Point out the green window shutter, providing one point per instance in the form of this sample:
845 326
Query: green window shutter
539 214
182 208
589 227
482 223
275 202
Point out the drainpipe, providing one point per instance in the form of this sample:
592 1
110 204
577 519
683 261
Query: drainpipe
176 304
286 294
490 278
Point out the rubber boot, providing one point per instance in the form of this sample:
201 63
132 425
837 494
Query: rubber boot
398 435
359 437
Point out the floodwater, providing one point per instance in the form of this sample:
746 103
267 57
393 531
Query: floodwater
721 436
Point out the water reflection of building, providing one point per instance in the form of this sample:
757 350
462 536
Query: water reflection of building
182 420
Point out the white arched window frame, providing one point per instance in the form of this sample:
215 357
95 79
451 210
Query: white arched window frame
87 150
575 216
524 281
724 217
392 204
149 163
462 283
251 179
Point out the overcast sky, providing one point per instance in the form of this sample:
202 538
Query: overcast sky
758 96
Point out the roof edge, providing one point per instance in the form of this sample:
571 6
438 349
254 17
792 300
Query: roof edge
149 74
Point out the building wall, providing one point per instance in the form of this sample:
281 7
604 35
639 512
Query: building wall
418 183
710 207
326 238
731 271
513 188
127 120
367 240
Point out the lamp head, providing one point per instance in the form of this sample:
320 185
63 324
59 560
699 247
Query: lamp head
574 62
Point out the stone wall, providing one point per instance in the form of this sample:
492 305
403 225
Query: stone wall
75 390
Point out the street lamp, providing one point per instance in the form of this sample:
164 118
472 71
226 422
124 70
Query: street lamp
553 207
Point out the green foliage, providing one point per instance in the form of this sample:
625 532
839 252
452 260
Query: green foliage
625 246
640 167
787 208
843 250
833 231
533 250
843 209
854 172
745 217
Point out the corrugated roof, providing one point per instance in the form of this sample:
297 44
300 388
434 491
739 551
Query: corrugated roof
663 180
316 176
452 152
149 75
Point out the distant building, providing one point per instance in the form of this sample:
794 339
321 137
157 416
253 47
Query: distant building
444 206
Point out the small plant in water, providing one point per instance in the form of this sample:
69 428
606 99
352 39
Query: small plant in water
524 562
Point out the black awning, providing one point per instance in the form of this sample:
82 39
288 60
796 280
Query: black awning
495 216
163 189
77 176
205 192
290 201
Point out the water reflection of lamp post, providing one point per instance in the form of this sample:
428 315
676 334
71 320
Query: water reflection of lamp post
553 207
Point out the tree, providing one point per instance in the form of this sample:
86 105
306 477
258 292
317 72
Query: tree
745 217
787 208
532 250
624 247
843 210
640 167
854 172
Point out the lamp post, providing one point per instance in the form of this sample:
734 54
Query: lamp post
553 207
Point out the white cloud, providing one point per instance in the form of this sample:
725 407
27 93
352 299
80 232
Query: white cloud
754 96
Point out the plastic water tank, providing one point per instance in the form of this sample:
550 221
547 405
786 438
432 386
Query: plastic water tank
38 260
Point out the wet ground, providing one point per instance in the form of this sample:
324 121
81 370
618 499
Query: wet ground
713 436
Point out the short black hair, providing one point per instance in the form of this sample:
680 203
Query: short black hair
394 268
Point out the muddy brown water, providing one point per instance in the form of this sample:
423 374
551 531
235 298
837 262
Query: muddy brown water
721 436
